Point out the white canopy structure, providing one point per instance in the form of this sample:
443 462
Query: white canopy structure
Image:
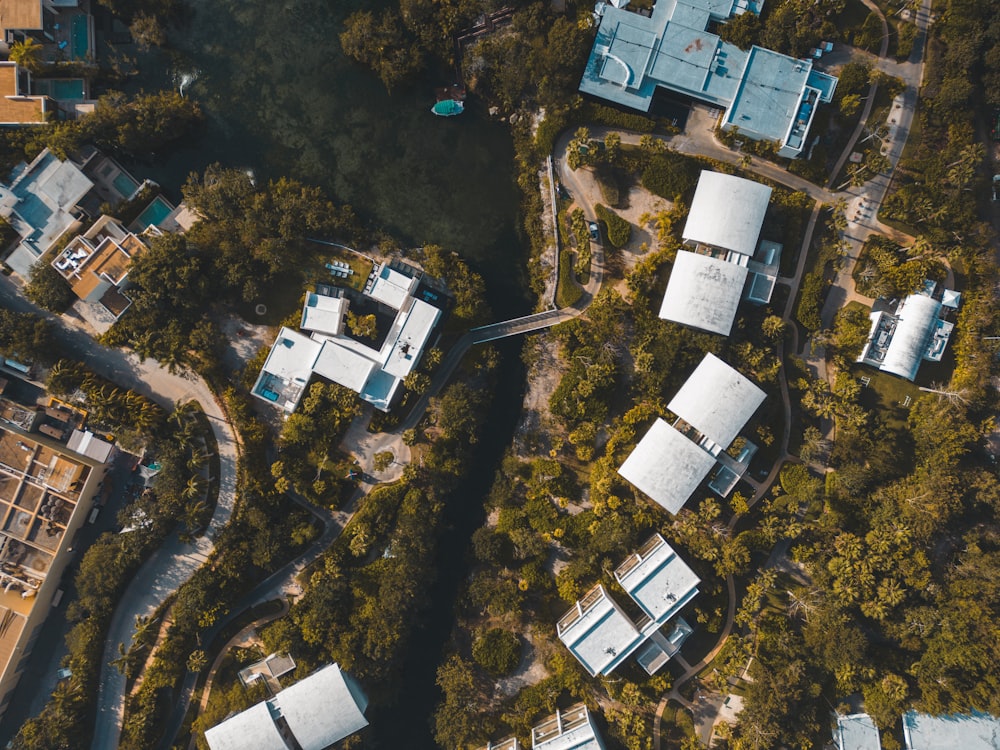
703 292
727 212
857 732
717 400
917 317
667 466
312 714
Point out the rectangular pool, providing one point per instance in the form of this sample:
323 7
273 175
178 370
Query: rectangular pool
153 214
62 89
80 35
125 185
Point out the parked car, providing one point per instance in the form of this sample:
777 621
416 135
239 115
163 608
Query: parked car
64 674
996 187
595 231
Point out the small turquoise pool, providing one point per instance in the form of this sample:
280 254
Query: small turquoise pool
63 89
125 185
154 214
80 36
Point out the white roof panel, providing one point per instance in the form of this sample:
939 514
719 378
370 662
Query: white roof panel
412 337
667 466
727 212
975 731
602 637
88 444
252 729
717 400
292 356
659 581
323 708
322 314
917 319
343 366
392 287
857 732
703 292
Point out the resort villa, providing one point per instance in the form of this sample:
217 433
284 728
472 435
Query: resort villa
371 366
62 27
96 264
569 729
47 489
601 635
672 460
916 331
765 95
722 229
312 714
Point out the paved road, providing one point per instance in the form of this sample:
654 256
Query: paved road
175 561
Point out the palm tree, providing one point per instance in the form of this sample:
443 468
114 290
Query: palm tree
27 54
194 488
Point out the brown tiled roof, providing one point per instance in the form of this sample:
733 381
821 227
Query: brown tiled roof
14 108
21 14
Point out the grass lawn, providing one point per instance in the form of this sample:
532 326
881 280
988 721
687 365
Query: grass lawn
887 395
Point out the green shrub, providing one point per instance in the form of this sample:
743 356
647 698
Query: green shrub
810 302
568 292
619 230
669 175
497 651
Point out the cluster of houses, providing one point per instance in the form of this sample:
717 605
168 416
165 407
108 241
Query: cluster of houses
48 201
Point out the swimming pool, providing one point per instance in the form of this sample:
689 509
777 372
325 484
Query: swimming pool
63 89
154 214
125 185
80 36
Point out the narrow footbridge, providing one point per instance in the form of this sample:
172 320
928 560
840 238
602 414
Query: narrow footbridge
517 326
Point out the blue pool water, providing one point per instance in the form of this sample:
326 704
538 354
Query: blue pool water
155 213
79 44
63 89
124 185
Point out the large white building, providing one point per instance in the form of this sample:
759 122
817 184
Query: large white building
373 370
917 331
712 406
723 231
600 634
312 714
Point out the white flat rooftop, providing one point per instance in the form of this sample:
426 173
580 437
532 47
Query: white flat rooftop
667 466
572 729
597 633
322 314
658 580
975 731
412 339
857 732
343 366
293 355
392 287
717 400
727 212
88 444
253 729
703 292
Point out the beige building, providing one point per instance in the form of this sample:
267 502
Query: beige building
46 494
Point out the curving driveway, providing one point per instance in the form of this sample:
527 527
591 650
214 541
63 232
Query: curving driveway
174 562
